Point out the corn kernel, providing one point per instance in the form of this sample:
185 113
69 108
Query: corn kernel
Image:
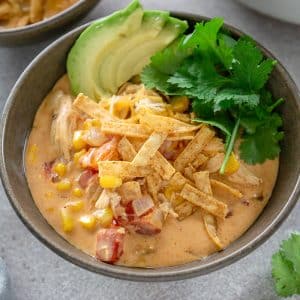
77 192
67 220
180 104
110 182
77 155
232 165
74 205
88 222
78 142
64 185
89 123
32 153
104 216
60 169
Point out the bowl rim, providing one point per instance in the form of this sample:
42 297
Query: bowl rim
57 18
130 273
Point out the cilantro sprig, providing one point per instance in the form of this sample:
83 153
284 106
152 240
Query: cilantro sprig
286 267
226 81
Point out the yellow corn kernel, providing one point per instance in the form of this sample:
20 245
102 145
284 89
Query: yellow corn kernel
110 182
77 192
64 185
74 205
104 216
78 142
77 155
232 165
88 222
32 153
89 123
67 220
60 169
180 104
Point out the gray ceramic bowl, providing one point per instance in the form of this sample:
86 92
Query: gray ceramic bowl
23 102
26 34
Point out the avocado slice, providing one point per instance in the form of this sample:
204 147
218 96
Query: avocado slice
113 49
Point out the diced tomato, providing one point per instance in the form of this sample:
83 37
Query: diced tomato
107 151
149 224
110 244
85 177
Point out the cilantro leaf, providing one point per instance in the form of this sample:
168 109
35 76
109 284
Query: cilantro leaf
227 98
287 280
291 249
222 122
225 80
263 144
169 59
250 70
284 269
154 79
198 78
205 36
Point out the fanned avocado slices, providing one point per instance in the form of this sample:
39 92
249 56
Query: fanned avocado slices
114 49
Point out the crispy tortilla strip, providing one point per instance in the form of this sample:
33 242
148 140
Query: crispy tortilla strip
199 161
215 146
210 224
180 137
126 129
36 10
149 149
126 149
184 210
154 184
166 124
218 184
206 202
92 108
189 172
193 149
122 169
162 166
172 192
202 182
214 164
244 177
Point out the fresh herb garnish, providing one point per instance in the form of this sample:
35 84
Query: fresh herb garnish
286 267
226 81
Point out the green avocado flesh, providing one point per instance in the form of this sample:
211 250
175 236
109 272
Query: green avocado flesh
114 49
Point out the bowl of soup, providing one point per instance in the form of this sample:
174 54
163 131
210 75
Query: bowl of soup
23 21
125 176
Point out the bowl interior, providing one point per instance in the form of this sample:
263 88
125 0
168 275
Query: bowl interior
23 102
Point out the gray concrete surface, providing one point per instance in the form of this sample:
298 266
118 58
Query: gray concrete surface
38 273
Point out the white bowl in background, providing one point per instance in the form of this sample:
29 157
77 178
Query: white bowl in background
286 10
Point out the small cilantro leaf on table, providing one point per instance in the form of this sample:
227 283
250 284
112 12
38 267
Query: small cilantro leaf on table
285 267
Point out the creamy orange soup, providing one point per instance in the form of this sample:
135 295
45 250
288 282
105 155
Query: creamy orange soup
19 13
186 213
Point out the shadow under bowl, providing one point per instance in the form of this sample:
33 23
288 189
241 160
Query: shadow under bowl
23 102
37 31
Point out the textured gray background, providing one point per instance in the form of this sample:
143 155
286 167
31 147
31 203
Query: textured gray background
37 273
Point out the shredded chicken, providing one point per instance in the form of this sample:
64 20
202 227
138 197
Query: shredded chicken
65 120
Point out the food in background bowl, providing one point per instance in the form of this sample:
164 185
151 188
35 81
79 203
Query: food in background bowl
157 162
18 13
